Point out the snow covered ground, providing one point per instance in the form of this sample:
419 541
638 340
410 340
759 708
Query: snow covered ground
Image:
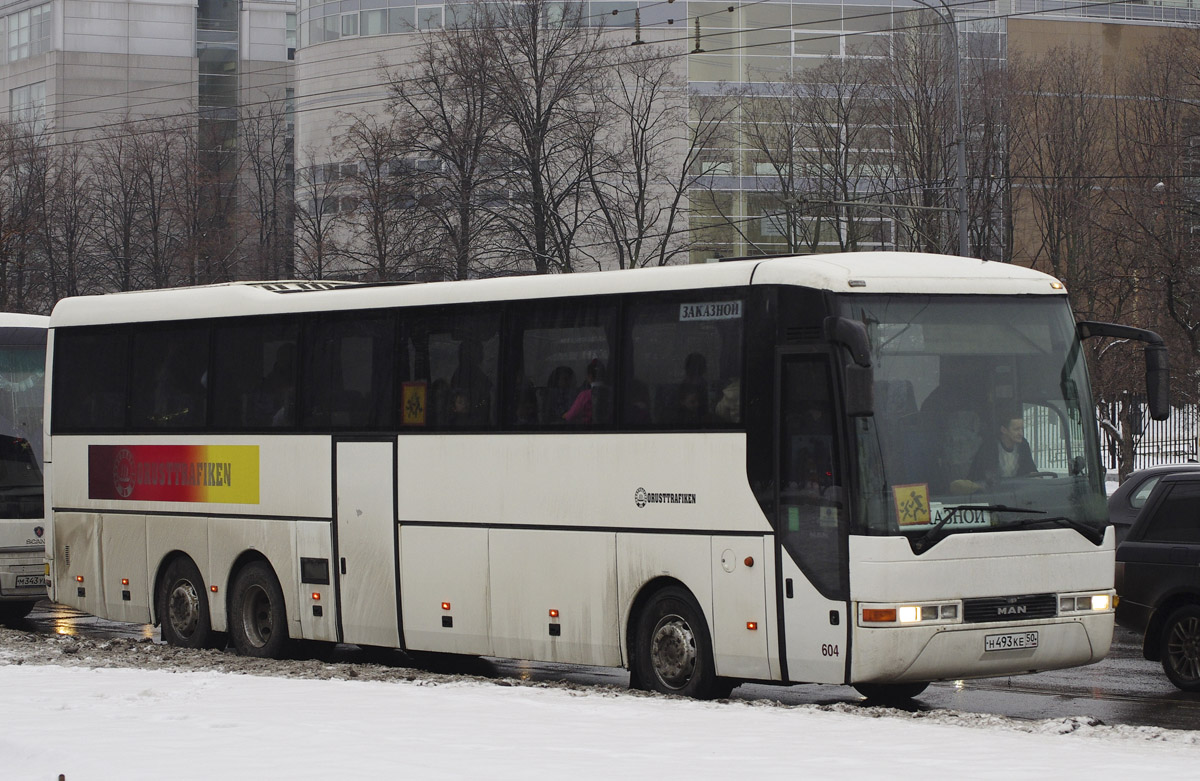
124 709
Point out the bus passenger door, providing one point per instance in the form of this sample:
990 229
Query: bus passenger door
810 528
365 543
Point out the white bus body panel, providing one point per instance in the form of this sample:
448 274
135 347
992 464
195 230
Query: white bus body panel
574 573
445 565
123 556
740 599
313 540
229 538
885 570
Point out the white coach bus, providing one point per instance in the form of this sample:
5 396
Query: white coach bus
22 512
750 471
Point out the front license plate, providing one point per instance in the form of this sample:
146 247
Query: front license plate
31 581
1011 641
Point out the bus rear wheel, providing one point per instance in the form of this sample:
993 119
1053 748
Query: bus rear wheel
673 651
887 693
182 606
257 617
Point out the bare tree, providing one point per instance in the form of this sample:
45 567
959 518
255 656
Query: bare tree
68 224
318 199
646 159
1061 144
549 68
916 106
449 122
385 230
119 203
267 187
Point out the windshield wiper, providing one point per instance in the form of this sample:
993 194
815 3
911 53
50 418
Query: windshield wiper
1096 536
927 540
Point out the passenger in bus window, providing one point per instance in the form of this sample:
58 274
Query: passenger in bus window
729 406
472 379
1008 455
560 393
693 391
581 409
274 398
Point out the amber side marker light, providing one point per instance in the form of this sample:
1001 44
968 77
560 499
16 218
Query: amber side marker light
124 581
79 578
445 606
752 625
1056 285
316 596
879 614
553 613
213 589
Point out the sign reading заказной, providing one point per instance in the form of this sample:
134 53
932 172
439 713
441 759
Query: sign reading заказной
174 473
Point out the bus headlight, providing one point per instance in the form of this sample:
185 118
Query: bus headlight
1084 603
891 615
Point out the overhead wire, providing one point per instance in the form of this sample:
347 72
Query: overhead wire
360 101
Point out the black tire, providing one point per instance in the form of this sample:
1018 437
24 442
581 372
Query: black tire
673 649
886 693
1180 648
257 616
182 606
12 612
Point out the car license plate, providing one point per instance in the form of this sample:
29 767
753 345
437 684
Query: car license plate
1011 641
31 581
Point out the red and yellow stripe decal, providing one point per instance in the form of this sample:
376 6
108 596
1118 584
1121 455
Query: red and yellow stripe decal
225 474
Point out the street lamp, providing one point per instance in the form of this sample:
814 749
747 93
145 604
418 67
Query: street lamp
946 16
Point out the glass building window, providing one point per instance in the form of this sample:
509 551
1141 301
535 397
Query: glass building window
27 106
29 32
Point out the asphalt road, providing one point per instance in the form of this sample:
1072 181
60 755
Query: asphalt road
1122 689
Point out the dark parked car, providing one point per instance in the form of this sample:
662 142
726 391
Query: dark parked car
1129 498
1158 577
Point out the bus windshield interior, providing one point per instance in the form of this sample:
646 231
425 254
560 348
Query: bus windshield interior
982 418
22 377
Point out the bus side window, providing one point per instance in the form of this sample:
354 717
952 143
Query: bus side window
683 363
569 344
91 372
348 373
449 365
170 378
254 375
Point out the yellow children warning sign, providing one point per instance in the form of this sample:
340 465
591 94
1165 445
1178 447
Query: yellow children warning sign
413 398
912 504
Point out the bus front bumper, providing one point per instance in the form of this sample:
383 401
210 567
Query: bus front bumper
951 652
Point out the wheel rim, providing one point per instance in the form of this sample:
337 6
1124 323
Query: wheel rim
673 651
1183 648
183 609
256 616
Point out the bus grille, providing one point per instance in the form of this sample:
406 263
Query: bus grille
1020 608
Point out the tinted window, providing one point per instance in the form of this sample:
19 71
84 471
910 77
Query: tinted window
1177 518
90 373
347 369
1138 498
562 365
169 381
254 382
448 369
684 363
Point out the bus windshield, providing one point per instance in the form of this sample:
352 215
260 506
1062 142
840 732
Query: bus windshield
982 418
22 377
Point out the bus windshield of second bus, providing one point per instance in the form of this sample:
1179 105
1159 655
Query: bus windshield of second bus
981 403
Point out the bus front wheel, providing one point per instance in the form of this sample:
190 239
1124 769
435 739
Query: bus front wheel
182 606
673 649
257 619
